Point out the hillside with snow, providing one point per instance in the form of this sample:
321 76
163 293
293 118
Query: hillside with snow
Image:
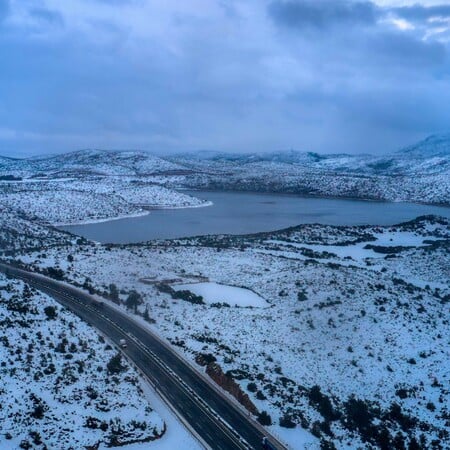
420 173
88 162
431 147
63 386
92 185
340 333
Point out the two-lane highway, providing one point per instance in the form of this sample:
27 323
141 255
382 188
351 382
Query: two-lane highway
215 418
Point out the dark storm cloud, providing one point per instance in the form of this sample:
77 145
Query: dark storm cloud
378 44
406 50
322 13
229 75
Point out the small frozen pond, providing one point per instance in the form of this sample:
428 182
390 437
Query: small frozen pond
223 293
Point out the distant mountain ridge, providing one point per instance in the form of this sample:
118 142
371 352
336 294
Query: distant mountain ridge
89 162
138 160
434 145
420 172
435 149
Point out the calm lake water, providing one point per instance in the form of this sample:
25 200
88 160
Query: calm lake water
244 213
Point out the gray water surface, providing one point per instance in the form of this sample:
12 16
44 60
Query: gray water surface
244 213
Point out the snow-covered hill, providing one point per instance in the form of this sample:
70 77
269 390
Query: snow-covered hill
409 159
88 162
96 185
62 385
349 346
420 173
432 146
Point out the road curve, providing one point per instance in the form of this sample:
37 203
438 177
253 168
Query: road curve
208 412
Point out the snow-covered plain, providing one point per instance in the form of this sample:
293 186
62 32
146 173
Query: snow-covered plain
342 333
222 293
360 251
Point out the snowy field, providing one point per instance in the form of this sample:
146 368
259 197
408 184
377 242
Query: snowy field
360 251
361 330
221 293
61 389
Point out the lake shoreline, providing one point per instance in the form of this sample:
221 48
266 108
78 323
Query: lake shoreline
312 196
239 213
146 210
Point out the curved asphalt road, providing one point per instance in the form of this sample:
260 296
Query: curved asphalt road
219 423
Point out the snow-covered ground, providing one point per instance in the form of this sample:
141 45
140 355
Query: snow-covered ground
94 199
348 347
345 331
59 389
420 173
360 251
222 293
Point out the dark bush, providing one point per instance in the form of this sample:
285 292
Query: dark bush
260 396
55 272
134 300
50 312
287 422
264 418
322 403
114 365
358 415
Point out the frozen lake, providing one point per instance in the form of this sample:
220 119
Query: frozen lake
244 213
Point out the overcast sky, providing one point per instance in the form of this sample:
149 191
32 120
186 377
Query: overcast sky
233 75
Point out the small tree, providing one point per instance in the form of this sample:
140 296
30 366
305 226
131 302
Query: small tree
134 300
287 422
114 365
260 395
113 293
55 272
87 285
50 312
147 317
264 418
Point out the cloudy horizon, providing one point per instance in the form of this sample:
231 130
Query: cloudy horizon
324 76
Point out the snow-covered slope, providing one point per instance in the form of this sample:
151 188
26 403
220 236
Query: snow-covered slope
18 232
432 146
62 385
89 162
433 149
353 346
420 173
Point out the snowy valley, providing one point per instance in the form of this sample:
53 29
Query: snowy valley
352 322
332 337
95 185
